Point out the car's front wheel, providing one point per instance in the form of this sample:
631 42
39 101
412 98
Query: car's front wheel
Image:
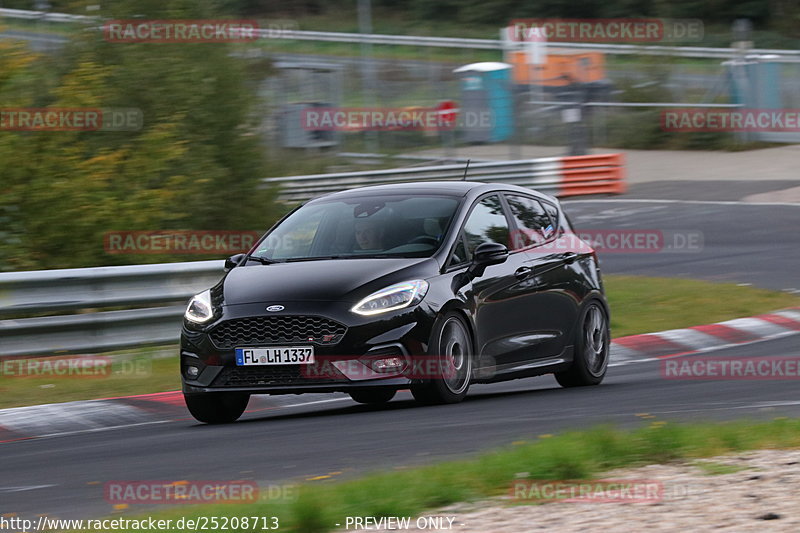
373 395
217 408
450 359
591 344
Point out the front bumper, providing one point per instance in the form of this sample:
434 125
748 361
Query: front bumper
339 367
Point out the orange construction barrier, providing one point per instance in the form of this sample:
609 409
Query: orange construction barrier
593 174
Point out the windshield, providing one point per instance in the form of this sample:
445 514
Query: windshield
374 226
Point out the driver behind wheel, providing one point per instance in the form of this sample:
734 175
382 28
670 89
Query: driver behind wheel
369 234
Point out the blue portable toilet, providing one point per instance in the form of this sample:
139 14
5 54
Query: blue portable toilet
756 83
487 102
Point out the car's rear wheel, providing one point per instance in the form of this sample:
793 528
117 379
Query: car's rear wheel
450 358
373 395
217 408
591 343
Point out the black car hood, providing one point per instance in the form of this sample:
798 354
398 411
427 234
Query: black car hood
347 280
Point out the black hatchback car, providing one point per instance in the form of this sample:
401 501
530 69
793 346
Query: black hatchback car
429 286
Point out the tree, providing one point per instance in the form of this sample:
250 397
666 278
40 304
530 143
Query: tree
195 163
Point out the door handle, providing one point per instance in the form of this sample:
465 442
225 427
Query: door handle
569 257
523 272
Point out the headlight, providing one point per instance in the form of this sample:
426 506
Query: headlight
199 309
393 297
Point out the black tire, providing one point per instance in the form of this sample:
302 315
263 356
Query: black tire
591 344
372 396
217 408
451 344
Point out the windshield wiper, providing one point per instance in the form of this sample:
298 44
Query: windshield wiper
262 260
315 258
351 256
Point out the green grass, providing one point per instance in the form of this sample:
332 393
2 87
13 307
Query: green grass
574 455
141 372
64 29
638 305
643 304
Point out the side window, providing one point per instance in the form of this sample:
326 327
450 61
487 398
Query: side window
534 225
459 253
486 223
553 212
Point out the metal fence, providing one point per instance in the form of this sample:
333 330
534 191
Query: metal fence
448 42
412 71
160 291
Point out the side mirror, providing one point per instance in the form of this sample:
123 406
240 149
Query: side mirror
488 253
233 261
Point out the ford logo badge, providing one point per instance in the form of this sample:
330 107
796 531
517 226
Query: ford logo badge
273 308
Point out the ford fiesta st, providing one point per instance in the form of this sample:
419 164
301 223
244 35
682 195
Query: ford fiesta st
430 287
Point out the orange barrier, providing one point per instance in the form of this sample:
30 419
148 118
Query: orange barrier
593 174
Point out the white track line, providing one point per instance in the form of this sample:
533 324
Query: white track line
650 201
152 422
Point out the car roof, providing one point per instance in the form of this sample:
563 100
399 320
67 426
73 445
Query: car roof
448 188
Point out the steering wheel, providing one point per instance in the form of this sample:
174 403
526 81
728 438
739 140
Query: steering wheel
425 239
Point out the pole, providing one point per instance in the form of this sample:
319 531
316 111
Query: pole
367 69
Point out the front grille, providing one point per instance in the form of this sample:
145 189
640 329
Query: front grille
253 376
262 330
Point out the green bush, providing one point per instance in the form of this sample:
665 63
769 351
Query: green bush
195 164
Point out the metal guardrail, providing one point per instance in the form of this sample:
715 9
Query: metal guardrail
45 16
544 174
496 44
100 287
453 42
411 158
90 333
86 290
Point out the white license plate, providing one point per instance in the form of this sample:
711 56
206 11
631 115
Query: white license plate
276 355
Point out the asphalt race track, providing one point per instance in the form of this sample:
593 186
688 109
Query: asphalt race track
63 476
741 243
